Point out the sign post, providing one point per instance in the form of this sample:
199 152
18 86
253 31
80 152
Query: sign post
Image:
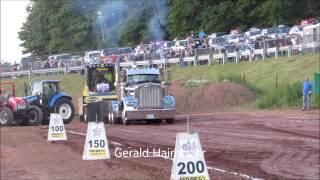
188 161
56 130
96 145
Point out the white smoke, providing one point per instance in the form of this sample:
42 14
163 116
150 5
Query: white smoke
157 22
113 14
116 13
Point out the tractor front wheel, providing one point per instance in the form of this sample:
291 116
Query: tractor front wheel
65 108
6 116
35 116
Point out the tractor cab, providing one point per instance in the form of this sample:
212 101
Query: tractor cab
100 80
46 94
45 90
99 93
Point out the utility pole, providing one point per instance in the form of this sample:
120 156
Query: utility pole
102 32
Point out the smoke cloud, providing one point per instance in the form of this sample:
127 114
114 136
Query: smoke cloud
158 20
114 14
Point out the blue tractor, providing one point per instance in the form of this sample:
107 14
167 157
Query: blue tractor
46 94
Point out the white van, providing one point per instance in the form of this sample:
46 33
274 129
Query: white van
62 58
91 56
311 34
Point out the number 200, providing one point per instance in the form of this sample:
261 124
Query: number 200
191 167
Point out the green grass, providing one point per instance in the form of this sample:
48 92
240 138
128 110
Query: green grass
286 95
261 72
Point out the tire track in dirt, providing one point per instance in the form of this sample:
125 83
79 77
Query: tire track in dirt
234 142
156 165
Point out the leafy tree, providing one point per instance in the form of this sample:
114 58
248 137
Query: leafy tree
57 26
34 31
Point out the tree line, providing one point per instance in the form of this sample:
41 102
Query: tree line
56 26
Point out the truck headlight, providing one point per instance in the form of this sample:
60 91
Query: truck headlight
130 103
168 101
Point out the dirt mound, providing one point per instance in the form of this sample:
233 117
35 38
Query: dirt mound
210 97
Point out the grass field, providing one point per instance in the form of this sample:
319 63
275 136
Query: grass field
262 74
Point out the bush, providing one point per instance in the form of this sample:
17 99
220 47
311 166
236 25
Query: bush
283 96
315 100
240 79
194 83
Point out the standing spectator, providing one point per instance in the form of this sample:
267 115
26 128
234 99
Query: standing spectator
202 34
141 48
152 46
47 65
203 44
161 52
55 64
294 40
114 58
192 35
140 51
307 92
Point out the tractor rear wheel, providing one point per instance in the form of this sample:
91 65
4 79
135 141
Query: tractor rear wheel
35 116
6 116
65 108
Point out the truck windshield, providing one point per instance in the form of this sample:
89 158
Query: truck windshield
101 80
143 78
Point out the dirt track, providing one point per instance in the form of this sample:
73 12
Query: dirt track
256 144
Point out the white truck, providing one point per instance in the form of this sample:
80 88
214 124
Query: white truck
144 97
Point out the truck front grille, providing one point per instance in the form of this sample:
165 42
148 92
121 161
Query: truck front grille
149 96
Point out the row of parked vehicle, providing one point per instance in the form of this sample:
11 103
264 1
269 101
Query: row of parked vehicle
219 41
57 60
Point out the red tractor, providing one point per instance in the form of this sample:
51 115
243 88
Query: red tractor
16 110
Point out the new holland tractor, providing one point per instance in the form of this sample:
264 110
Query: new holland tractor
16 110
46 95
128 95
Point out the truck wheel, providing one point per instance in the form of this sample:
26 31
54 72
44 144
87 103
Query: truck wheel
170 121
65 108
83 117
125 122
6 116
111 118
35 116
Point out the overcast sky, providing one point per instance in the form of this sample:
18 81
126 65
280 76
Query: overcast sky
13 14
